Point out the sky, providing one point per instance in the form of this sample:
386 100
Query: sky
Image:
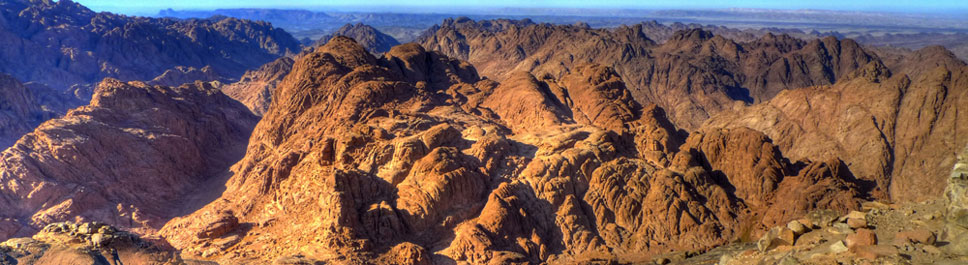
921 6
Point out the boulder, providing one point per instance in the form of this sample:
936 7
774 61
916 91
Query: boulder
863 237
922 236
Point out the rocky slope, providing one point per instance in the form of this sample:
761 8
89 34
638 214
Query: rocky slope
414 159
256 87
19 110
693 73
372 39
131 158
65 46
898 130
930 232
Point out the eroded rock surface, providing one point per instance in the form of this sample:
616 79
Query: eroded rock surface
692 74
413 158
898 132
131 158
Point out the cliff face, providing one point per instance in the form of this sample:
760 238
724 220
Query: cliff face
68 47
133 158
693 73
414 159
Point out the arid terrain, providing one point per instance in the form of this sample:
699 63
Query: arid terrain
221 140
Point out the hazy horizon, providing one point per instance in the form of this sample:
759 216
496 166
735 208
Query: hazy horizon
950 7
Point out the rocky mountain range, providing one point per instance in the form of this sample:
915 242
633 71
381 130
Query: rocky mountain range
372 39
20 112
69 47
485 142
416 149
694 73
61 50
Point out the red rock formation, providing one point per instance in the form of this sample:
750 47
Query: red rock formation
693 74
133 158
899 132
413 159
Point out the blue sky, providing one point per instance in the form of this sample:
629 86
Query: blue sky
947 6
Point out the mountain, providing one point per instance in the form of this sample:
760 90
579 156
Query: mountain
372 39
693 74
899 129
256 87
68 47
413 158
19 110
134 157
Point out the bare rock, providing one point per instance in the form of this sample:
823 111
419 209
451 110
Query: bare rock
129 159
875 251
797 227
862 237
855 223
922 236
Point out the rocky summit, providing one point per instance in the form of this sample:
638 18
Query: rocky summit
222 141
372 39
415 159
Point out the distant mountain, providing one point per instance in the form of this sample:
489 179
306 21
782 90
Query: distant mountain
316 24
372 39
693 73
20 111
256 87
68 47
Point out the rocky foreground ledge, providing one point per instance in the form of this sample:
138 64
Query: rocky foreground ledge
86 243
930 232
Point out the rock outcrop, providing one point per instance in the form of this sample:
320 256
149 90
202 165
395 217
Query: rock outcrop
133 158
693 74
86 243
412 158
372 39
956 206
